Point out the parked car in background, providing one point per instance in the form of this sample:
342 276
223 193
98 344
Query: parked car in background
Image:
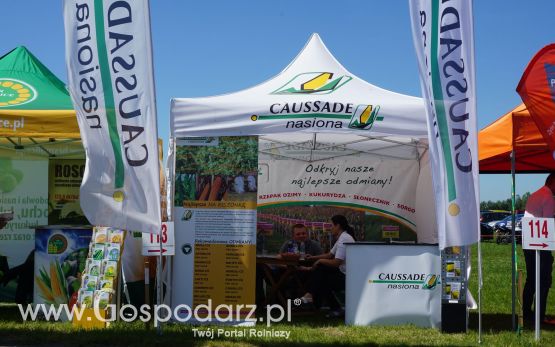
502 223
518 225
493 216
503 233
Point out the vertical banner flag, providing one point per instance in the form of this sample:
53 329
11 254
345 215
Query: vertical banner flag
109 62
443 39
537 90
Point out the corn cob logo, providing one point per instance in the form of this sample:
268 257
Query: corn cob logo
187 215
15 92
364 117
317 83
57 244
430 282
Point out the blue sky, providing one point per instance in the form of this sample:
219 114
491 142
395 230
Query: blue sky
212 47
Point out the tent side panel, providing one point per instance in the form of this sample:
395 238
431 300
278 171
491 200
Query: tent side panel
425 218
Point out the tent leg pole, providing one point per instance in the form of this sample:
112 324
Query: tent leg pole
479 291
513 243
159 286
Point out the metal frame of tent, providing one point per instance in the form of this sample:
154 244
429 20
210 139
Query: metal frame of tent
37 147
420 147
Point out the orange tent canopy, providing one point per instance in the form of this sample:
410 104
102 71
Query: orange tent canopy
515 130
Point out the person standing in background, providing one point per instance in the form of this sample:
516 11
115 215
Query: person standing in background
540 204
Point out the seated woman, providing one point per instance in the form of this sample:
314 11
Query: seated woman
328 271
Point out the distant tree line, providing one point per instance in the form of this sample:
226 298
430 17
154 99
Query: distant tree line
520 203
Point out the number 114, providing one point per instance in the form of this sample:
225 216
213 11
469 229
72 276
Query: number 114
539 229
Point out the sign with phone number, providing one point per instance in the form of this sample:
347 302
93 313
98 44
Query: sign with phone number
16 237
538 233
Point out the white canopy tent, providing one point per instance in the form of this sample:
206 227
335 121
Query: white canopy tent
316 110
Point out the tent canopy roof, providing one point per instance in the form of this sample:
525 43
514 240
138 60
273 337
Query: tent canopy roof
49 92
313 95
515 130
33 101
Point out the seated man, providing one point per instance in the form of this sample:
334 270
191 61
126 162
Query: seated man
291 249
300 244
297 248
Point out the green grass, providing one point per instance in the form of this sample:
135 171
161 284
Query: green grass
309 330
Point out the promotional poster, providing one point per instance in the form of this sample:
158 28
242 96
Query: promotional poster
23 190
64 180
60 259
215 221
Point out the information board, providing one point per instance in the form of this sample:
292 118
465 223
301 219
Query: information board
215 223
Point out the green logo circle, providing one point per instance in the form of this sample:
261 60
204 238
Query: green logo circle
57 244
15 92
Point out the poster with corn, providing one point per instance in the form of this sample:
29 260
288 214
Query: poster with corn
216 180
60 259
98 285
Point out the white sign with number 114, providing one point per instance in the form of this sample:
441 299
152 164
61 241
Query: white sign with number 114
538 233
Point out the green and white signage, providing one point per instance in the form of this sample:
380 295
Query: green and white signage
109 61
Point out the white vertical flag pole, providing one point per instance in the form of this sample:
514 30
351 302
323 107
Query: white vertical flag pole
537 306
480 291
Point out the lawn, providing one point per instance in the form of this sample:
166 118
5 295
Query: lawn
307 330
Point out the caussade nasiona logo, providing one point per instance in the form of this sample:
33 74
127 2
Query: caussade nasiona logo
407 281
303 113
322 114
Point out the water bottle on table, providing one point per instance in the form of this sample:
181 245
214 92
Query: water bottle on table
290 248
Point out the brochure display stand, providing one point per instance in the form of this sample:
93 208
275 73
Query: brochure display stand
454 310
99 282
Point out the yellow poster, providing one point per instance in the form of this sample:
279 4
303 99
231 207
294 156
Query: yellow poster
64 180
215 223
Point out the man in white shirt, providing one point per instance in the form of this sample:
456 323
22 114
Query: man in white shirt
540 204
